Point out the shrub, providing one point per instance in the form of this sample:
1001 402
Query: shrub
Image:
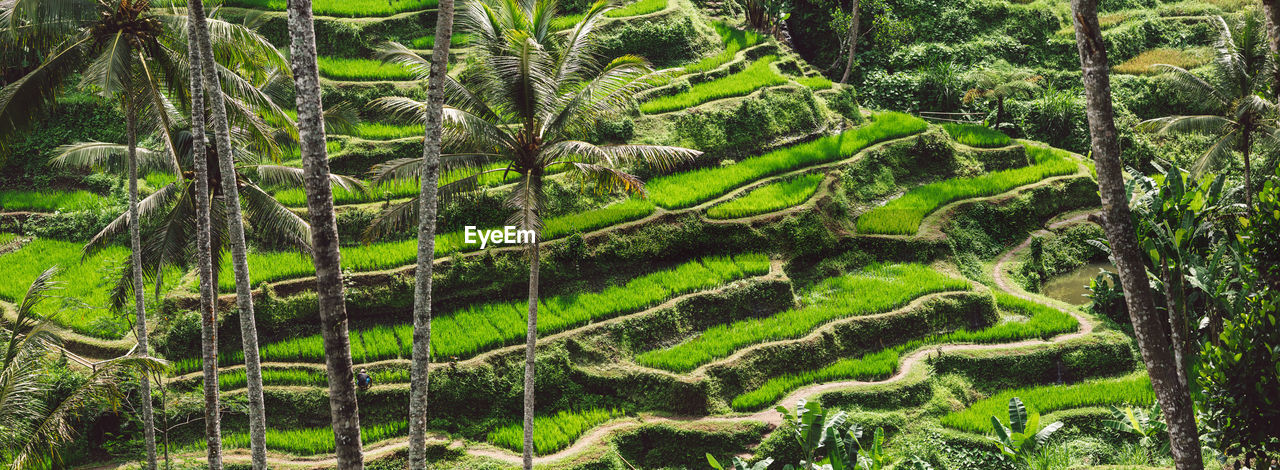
904 214
846 103
757 75
774 113
692 187
876 289
664 42
769 198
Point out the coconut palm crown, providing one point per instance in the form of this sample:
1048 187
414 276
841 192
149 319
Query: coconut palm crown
529 103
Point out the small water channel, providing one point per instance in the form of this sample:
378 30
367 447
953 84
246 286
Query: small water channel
1073 287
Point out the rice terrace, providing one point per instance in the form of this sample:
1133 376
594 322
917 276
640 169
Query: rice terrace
640 234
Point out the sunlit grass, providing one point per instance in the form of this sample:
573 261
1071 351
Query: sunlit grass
878 288
1038 321
1145 62
692 187
481 327
816 82
313 441
975 135
429 41
341 8
339 68
640 7
769 198
902 216
387 131
734 40
757 75
552 433
1133 389
49 201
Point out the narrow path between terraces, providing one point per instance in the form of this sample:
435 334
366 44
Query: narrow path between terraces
769 415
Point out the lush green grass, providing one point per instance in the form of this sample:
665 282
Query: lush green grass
271 266
342 8
1036 321
85 286
385 131
395 189
734 40
312 441
552 433
486 326
816 82
903 215
975 135
1132 389
233 380
6 238
429 41
640 7
693 187
49 201
339 68
878 288
769 198
757 75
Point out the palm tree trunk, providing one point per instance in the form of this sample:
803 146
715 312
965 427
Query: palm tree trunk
1177 324
1272 10
1174 398
135 244
531 340
235 233
853 42
420 375
343 408
204 257
1246 144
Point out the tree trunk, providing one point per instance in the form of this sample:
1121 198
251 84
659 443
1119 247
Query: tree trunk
853 42
235 235
1174 398
1246 145
135 245
531 340
420 375
1177 323
1272 10
204 257
343 409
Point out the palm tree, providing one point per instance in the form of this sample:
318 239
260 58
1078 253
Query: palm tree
31 427
343 408
1241 117
1148 329
999 82
420 375
535 97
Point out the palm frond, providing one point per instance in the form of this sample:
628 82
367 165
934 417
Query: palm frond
110 70
279 175
272 220
393 52
148 207
34 93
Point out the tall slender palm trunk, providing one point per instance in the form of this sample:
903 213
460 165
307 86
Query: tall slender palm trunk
1272 11
420 375
1155 346
204 257
534 187
343 409
853 42
1246 144
139 298
235 232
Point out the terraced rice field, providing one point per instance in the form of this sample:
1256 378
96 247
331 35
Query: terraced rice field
902 216
1134 389
876 289
479 328
49 201
339 8
734 40
769 198
1039 321
312 441
757 75
338 68
975 135
693 187
552 433
640 7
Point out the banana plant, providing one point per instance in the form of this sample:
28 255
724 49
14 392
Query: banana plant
1144 423
1020 439
739 464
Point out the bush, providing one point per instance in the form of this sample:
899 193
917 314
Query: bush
616 130
665 43
759 119
666 446
845 102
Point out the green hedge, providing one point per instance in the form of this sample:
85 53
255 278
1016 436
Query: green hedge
1101 354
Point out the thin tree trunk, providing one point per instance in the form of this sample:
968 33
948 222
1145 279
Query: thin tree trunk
343 409
1272 10
1176 324
853 42
1246 144
235 234
531 340
420 375
1174 398
204 255
135 244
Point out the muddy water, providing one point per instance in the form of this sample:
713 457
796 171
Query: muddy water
1072 287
